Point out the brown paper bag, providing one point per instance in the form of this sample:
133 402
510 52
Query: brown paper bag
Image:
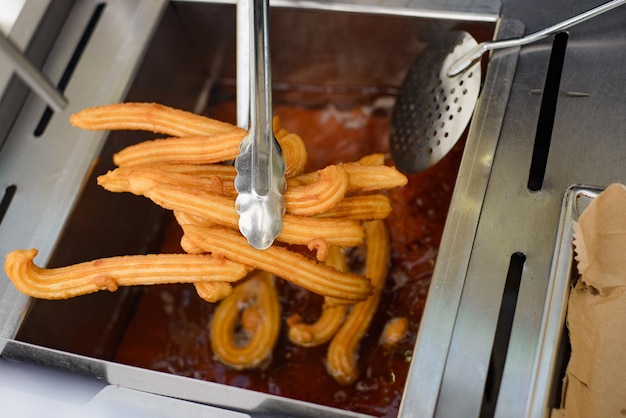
595 381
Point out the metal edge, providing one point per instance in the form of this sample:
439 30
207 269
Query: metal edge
486 11
425 376
169 385
21 34
63 155
555 308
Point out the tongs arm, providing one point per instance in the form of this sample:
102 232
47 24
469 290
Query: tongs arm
30 75
260 180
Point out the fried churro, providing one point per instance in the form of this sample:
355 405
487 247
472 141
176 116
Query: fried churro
366 175
342 357
320 196
281 262
294 154
110 273
368 178
213 291
359 208
329 188
137 179
254 309
333 314
216 148
220 147
395 329
151 117
221 210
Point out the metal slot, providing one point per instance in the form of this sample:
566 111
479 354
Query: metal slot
9 192
71 66
547 113
503 332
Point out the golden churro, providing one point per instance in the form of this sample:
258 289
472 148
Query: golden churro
329 188
152 117
220 147
183 218
395 329
294 153
359 208
254 308
288 265
121 179
186 150
304 200
367 178
341 361
223 171
322 330
366 175
110 273
213 291
221 210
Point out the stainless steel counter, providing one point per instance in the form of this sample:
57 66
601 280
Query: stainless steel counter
62 156
506 224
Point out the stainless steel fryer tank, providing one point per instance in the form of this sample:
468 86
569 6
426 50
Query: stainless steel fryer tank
183 55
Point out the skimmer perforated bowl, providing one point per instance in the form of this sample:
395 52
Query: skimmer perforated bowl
432 109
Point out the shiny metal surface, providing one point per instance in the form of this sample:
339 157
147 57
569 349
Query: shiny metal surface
545 371
33 33
62 154
511 219
464 62
438 323
243 63
167 385
21 34
580 123
433 110
28 391
260 180
472 10
34 78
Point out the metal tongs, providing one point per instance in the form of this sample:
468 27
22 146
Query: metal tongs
260 180
32 76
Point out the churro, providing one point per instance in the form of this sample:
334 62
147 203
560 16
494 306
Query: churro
186 150
213 291
328 190
254 308
281 262
151 117
359 208
368 178
342 357
395 329
110 273
221 210
304 200
366 175
331 318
